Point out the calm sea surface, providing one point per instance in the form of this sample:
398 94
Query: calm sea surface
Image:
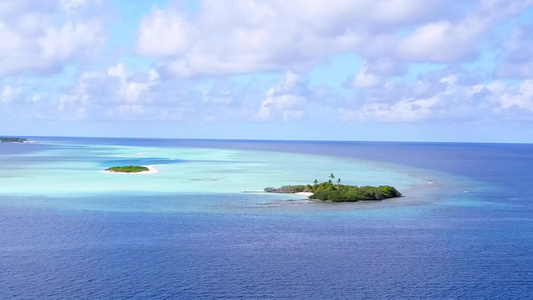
202 229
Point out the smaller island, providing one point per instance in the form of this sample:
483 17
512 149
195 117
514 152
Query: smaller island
328 191
13 140
128 169
132 170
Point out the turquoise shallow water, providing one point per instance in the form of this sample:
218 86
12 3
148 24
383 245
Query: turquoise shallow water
71 170
202 228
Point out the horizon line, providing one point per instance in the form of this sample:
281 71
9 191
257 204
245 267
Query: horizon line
268 140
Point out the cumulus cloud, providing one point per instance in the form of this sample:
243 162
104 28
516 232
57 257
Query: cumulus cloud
374 73
365 79
518 62
130 89
193 51
41 37
115 93
523 98
278 35
401 111
288 98
450 40
441 42
271 35
163 33
432 98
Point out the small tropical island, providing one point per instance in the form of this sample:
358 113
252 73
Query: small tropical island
128 169
132 170
12 140
328 191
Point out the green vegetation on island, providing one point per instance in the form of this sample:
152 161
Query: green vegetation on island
128 169
328 191
13 140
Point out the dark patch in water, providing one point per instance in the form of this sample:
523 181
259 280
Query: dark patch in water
127 161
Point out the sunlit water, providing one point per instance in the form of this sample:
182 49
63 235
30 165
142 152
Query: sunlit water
202 228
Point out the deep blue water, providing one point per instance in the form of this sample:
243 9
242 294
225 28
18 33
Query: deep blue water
478 247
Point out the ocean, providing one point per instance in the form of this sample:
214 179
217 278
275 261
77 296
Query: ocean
202 228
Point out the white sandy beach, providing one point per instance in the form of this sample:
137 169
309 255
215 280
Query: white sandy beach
151 170
307 194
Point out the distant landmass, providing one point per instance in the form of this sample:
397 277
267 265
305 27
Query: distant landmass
328 191
13 140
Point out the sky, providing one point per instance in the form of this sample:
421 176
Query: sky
359 70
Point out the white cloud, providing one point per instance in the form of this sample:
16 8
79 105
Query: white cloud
114 93
10 93
128 89
60 44
522 99
234 36
374 73
441 42
117 93
42 37
163 33
265 35
450 41
518 61
434 98
74 4
365 79
288 98
401 111
271 35
283 103
119 71
450 81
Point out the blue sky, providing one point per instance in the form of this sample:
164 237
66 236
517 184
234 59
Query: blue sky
389 70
